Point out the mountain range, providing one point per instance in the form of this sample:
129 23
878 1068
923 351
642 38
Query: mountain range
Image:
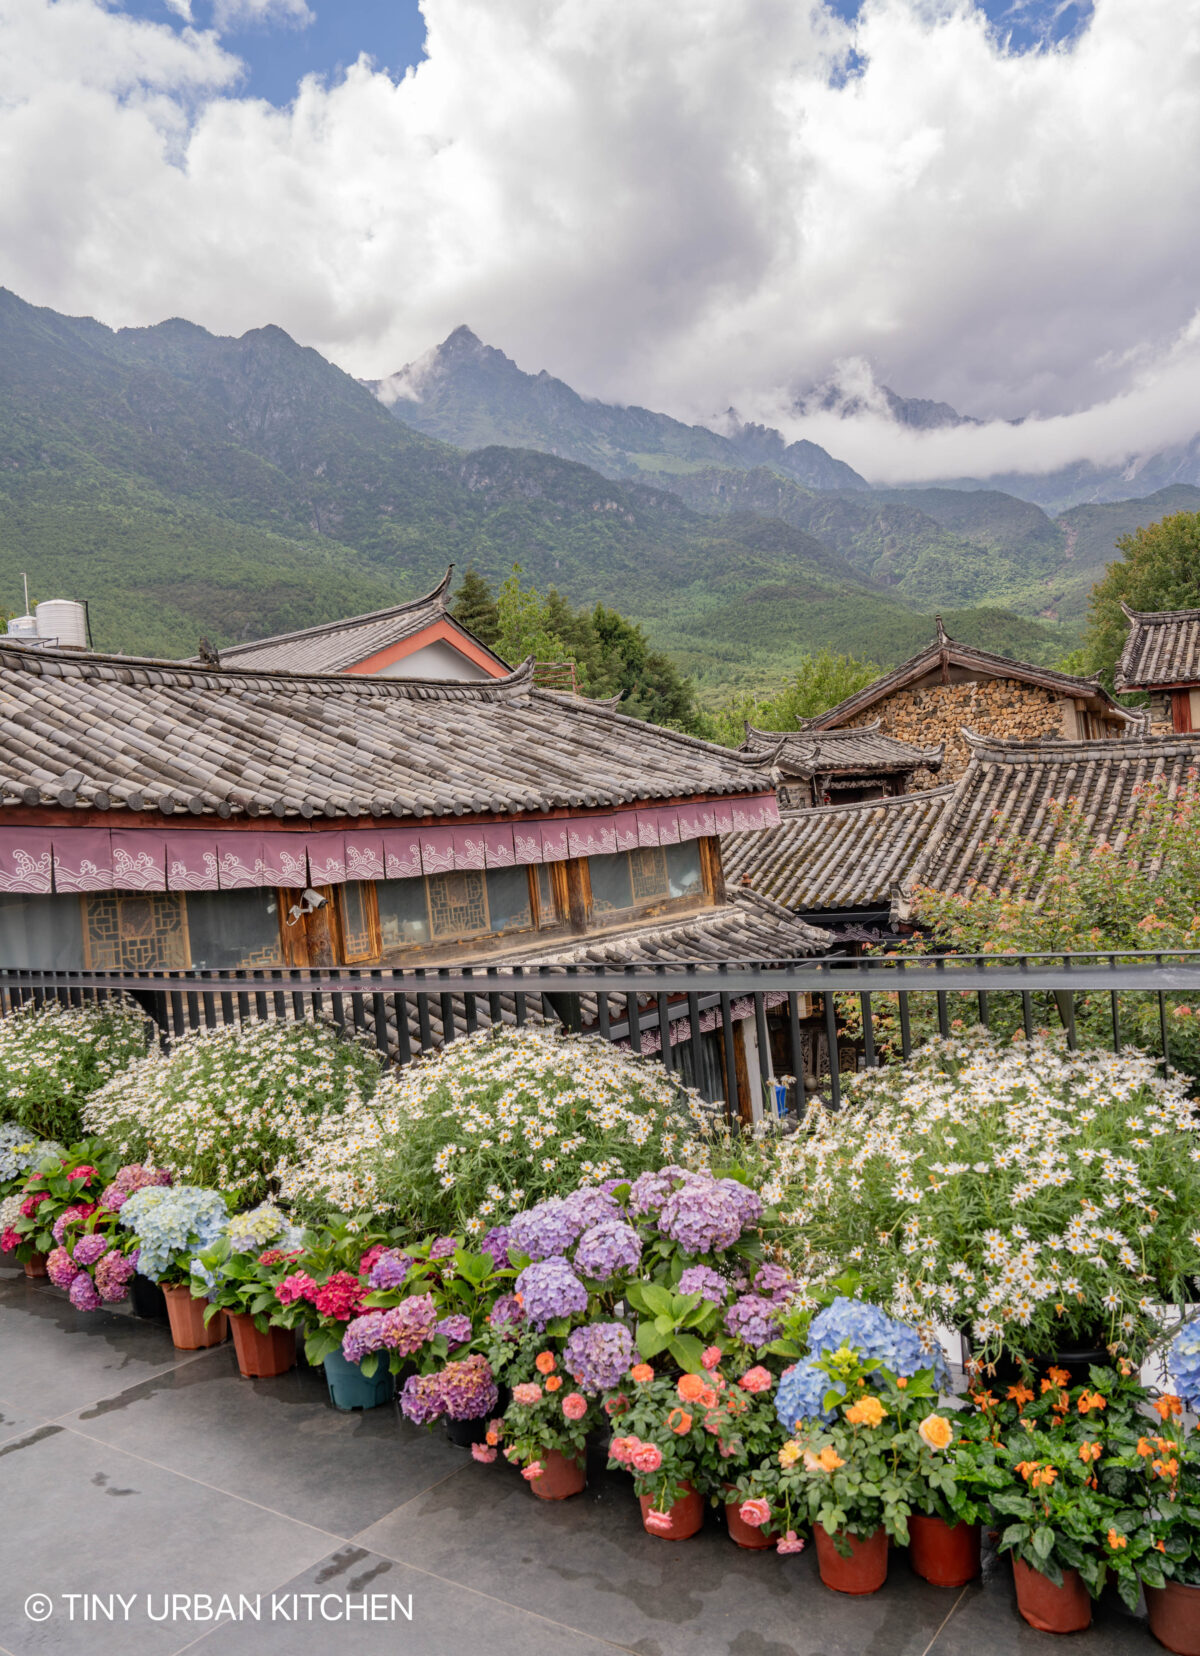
186 483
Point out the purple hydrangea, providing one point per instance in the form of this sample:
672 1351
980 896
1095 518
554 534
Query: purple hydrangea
445 1247
607 1248
408 1325
89 1249
701 1217
550 1289
421 1398
467 1389
496 1243
775 1281
748 1202
129 1178
649 1191
599 1355
84 1296
389 1270
753 1319
547 1230
67 1217
363 1334
455 1330
702 1279
592 1204
506 1313
61 1268
113 1274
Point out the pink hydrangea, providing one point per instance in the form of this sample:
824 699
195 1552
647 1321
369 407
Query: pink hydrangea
297 1286
89 1249
61 1268
341 1297
80 1210
84 1294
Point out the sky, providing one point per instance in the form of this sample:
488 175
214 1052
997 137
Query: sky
691 204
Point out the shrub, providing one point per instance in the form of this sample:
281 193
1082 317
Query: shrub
228 1107
490 1125
53 1057
1031 1196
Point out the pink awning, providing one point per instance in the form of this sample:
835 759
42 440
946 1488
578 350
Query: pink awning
191 862
402 853
498 844
83 859
469 847
627 830
555 847
365 857
723 817
240 862
668 827
527 842
647 824
437 850
139 860
25 861
592 836
285 861
691 822
326 859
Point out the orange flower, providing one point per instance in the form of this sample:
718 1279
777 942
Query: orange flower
641 1372
1059 1376
902 1383
868 1411
983 1399
679 1421
1145 1448
554 1383
1027 1468
544 1362
707 1398
1167 1468
1089 1452
1168 1405
1021 1395
936 1431
830 1460
691 1388
1046 1475
1090 1401
1161 1545
1115 1541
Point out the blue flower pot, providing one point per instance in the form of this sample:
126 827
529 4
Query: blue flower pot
349 1387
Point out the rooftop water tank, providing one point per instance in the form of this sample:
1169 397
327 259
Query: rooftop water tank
22 626
64 621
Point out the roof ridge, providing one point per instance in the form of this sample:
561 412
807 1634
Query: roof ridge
1057 746
434 599
892 801
1150 618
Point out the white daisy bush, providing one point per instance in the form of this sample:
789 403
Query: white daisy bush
462 1140
230 1108
1032 1197
53 1056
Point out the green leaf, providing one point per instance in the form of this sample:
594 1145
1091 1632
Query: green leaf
665 1325
687 1351
649 1341
1042 1541
1013 1536
659 1301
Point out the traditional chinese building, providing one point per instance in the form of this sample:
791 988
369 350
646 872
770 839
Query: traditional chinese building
950 687
839 767
1162 656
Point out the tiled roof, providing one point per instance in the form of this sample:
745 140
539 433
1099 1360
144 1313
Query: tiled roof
837 856
944 652
1008 787
859 749
118 732
337 645
1163 649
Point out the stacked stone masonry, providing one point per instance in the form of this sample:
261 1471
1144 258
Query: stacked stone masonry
994 707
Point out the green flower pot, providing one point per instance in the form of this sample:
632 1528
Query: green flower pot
349 1387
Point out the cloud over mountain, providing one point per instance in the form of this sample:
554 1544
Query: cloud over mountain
687 205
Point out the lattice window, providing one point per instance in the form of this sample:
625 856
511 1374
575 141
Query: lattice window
135 931
360 930
458 904
648 865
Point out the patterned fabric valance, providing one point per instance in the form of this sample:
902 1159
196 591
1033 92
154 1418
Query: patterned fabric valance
41 860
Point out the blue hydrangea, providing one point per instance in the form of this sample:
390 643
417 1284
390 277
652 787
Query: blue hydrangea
173 1220
21 1151
872 1333
1184 1365
800 1393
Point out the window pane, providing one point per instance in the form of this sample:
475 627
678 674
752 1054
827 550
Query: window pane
549 915
354 904
683 869
458 904
41 932
135 931
611 887
648 865
403 915
234 928
508 899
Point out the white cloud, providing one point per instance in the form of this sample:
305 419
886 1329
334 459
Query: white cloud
232 14
679 204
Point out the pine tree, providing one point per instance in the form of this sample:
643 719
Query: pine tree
474 605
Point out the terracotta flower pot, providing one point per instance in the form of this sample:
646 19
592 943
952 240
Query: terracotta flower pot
189 1331
35 1265
560 1477
1175 1616
865 1571
1051 1609
746 1535
945 1554
261 1356
678 1522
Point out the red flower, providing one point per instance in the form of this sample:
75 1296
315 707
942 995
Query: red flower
341 1297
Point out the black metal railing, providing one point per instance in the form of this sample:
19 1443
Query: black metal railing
409 1012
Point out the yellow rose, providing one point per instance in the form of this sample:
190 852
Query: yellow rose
789 1454
936 1431
868 1411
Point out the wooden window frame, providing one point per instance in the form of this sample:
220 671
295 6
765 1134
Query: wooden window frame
370 914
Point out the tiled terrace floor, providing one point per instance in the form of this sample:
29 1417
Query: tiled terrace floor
128 1467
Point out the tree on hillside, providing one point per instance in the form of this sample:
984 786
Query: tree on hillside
820 682
526 628
475 606
1159 570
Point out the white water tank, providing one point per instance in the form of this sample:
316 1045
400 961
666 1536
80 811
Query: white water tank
64 621
22 626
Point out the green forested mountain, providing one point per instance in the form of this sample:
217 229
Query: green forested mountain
187 484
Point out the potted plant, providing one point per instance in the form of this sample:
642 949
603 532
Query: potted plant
170 1225
55 1194
239 1274
94 1259
546 1426
949 1501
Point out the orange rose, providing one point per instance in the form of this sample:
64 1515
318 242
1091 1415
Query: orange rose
936 1431
679 1421
641 1372
691 1388
830 1460
544 1362
868 1411
554 1383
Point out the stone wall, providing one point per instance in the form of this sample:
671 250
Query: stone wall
993 707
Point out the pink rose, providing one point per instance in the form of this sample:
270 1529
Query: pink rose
647 1457
574 1406
757 1379
789 1543
532 1471
710 1356
755 1513
527 1392
658 1521
483 1452
621 1449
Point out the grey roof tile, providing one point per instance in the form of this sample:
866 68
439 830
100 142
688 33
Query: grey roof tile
1163 649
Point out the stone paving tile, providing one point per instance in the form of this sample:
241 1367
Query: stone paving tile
16 1422
446 1619
588 1563
93 1519
275 1441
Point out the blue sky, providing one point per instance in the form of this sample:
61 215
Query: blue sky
278 54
